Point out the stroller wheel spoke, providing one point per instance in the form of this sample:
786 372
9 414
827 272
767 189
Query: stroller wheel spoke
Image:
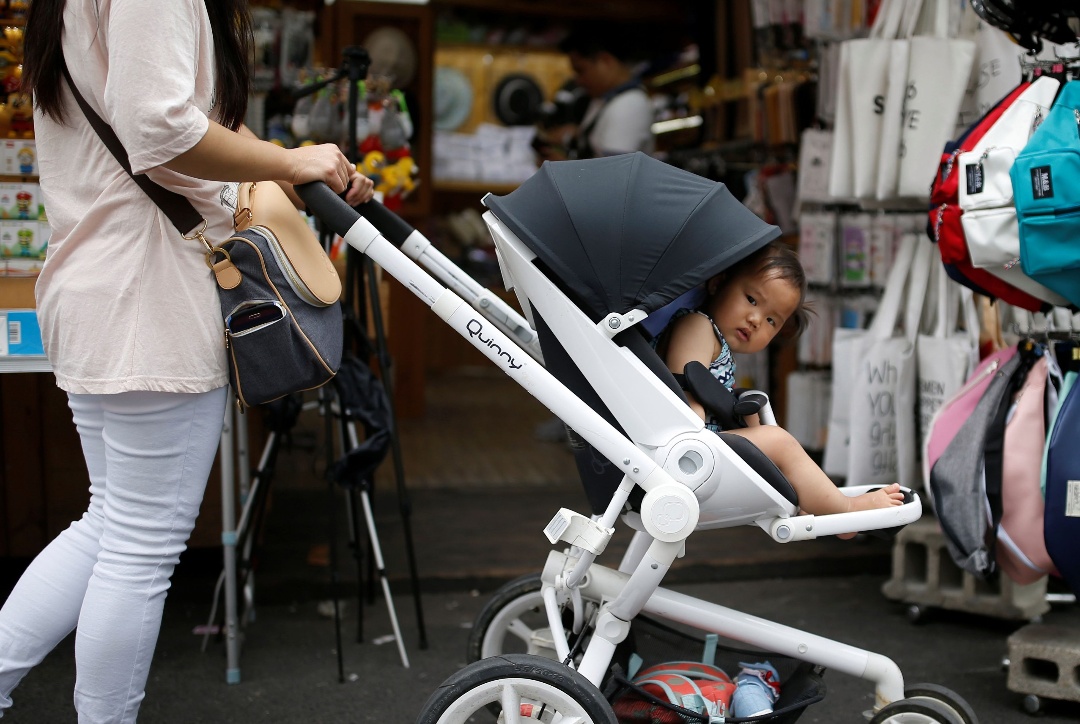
513 621
511 703
520 629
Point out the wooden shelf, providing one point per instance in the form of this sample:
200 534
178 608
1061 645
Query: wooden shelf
641 10
10 178
24 363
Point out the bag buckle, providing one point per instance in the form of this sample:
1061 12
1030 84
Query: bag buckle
211 250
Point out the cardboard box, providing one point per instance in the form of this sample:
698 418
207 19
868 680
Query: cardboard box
20 201
26 158
23 239
23 335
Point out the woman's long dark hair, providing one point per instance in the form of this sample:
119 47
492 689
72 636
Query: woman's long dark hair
229 20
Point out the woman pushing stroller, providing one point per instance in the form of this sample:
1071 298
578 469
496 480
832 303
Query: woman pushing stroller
746 307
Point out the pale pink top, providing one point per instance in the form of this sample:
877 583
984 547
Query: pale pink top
125 303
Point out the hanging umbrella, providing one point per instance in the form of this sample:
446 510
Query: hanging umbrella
629 232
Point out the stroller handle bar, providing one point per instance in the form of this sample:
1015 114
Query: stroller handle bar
328 206
340 217
393 228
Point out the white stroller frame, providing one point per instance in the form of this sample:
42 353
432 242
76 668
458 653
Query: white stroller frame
691 478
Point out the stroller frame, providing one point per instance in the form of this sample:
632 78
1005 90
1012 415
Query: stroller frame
666 451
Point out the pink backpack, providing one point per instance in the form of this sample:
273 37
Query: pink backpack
952 415
1021 550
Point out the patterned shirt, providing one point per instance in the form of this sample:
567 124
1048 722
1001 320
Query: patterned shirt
723 367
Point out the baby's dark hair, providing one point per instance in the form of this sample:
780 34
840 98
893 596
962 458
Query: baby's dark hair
777 260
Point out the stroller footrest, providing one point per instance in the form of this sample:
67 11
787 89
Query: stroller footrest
578 530
808 527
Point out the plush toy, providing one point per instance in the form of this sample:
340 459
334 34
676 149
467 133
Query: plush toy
372 166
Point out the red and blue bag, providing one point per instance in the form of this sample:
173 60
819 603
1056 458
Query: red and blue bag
701 688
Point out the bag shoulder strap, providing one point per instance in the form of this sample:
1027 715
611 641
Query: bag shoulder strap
178 208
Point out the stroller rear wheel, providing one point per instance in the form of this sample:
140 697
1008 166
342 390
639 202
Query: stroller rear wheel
926 704
512 621
536 688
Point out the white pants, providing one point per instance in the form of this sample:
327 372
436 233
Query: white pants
149 456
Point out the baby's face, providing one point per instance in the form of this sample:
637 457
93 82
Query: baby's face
751 308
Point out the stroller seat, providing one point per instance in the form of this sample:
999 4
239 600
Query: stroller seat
593 248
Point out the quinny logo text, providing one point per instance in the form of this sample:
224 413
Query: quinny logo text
475 329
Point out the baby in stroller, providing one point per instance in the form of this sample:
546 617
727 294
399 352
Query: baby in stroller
746 308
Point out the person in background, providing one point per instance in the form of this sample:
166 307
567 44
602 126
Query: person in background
606 59
129 313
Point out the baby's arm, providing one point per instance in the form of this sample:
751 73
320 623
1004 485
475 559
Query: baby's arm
691 340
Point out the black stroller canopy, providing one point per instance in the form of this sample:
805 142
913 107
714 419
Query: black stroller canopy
629 232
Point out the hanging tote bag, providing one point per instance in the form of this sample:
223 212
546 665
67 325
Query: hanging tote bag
996 70
902 23
848 348
882 445
949 353
1046 186
863 83
938 73
1061 519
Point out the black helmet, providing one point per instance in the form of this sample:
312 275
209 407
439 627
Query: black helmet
1031 21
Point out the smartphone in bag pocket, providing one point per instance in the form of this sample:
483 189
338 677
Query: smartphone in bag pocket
257 315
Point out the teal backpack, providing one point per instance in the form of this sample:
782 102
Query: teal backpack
1046 189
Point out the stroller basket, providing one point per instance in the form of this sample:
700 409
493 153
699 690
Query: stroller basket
802 684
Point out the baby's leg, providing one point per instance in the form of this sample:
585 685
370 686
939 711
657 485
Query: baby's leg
817 492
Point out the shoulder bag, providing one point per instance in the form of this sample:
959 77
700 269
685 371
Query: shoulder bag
277 288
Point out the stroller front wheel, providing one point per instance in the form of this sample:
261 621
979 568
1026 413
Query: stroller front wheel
534 687
512 621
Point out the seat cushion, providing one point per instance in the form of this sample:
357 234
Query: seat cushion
761 464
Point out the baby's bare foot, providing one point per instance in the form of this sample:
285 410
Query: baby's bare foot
880 498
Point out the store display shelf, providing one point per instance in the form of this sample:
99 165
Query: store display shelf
24 363
17 179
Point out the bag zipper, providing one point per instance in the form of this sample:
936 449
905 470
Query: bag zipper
295 281
1054 212
973 382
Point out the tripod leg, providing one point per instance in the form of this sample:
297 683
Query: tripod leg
328 414
228 539
355 537
253 517
404 502
376 550
354 528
